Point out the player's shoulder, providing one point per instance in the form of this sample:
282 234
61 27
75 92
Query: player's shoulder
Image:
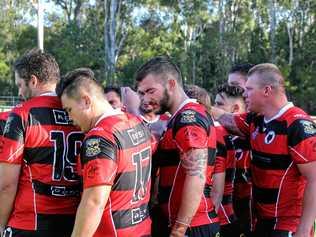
296 115
38 102
192 112
164 117
4 115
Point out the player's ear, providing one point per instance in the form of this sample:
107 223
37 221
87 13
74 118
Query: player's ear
171 83
33 82
235 108
86 101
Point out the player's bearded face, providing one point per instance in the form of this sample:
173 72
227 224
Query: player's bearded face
146 107
27 94
164 103
25 91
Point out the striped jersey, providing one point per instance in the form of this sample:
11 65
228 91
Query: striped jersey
225 162
117 152
278 146
190 127
39 136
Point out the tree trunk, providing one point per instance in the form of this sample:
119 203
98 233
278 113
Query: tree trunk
221 22
110 47
272 13
290 35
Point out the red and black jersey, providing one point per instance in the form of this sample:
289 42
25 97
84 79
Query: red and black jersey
190 127
158 125
39 137
277 146
225 162
3 119
117 152
242 182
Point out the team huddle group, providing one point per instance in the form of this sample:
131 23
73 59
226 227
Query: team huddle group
80 160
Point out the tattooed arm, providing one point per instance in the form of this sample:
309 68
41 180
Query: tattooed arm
194 162
227 120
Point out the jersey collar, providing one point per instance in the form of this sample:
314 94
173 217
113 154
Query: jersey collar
280 113
186 101
50 93
151 121
109 113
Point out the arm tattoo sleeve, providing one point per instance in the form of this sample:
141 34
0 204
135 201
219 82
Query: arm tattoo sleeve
227 120
195 162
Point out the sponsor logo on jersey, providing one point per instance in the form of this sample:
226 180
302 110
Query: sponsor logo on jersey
61 116
136 136
92 171
188 116
309 127
269 137
92 147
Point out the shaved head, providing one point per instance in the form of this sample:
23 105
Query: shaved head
269 74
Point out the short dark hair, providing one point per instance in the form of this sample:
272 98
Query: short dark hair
37 63
114 89
242 69
159 65
70 82
231 91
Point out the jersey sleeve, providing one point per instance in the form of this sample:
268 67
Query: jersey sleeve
220 160
302 141
12 141
99 161
243 122
191 130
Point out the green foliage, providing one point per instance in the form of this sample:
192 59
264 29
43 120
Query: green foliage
186 30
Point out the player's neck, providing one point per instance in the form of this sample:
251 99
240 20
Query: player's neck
100 110
177 101
44 89
273 108
150 116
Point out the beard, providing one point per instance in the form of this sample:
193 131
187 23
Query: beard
164 103
27 94
144 110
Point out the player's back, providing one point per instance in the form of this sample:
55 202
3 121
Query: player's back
39 136
128 171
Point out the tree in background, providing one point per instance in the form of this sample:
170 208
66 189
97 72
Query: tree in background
114 37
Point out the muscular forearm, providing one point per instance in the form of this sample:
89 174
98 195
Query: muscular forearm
218 189
194 162
90 211
191 197
87 219
309 210
9 179
7 196
227 120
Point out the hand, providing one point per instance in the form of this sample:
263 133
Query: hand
177 233
178 230
302 233
130 100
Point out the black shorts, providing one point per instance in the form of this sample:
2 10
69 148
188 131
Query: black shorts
210 230
264 228
243 212
12 232
231 230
